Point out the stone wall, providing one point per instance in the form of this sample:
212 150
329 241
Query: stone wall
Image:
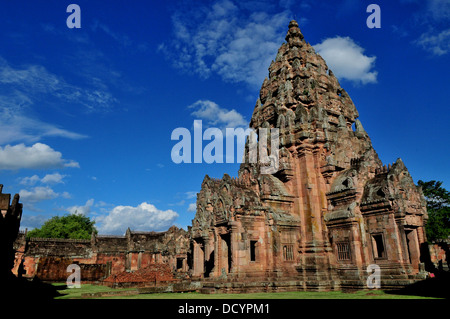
440 255
101 256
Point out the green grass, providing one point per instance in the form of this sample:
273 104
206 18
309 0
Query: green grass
75 293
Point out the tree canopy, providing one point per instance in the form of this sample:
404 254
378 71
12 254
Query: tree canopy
438 207
74 226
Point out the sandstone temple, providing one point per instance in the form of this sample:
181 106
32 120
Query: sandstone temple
330 211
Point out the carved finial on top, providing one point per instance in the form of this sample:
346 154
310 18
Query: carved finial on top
294 34
293 23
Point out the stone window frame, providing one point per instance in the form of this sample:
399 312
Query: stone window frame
288 254
344 250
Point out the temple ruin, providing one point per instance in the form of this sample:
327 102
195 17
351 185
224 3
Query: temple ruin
330 211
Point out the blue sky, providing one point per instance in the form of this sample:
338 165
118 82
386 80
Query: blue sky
86 114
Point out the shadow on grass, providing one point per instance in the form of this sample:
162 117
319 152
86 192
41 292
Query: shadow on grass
438 287
28 289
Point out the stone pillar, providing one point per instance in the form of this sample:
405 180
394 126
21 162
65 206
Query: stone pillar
311 191
413 247
234 242
198 259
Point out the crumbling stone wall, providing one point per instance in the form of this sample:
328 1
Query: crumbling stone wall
440 255
101 256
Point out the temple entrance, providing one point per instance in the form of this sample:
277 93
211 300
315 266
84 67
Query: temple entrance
413 247
199 257
225 253
209 264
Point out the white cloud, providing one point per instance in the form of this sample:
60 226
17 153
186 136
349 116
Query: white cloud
144 217
37 156
37 194
27 86
227 40
31 180
430 24
192 207
15 126
346 59
232 125
82 209
436 43
54 178
190 195
32 81
214 115
439 9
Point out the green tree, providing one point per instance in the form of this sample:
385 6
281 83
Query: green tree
74 226
438 207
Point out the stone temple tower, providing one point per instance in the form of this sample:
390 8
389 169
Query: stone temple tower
330 210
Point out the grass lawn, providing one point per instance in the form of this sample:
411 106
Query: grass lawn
76 293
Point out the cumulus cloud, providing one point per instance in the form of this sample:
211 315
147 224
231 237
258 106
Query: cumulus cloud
30 180
81 209
227 38
54 178
347 60
37 156
144 217
214 115
38 194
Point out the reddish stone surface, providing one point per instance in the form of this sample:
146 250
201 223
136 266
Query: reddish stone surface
150 274
102 256
329 211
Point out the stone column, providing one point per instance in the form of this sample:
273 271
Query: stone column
414 249
234 242
198 259
310 191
